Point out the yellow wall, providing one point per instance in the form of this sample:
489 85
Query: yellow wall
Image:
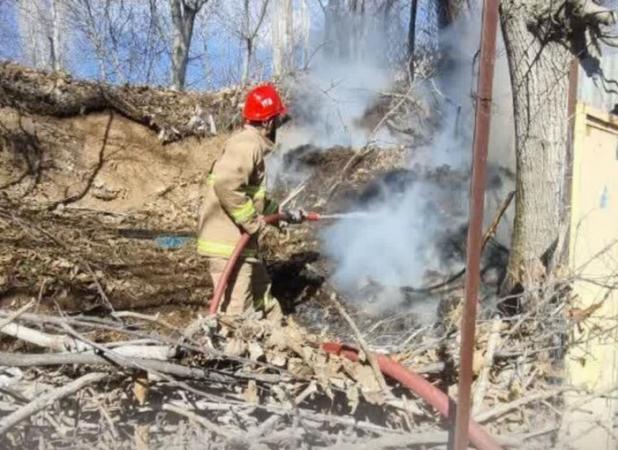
593 253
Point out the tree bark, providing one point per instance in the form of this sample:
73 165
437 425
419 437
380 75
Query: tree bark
412 36
55 51
282 29
183 14
248 39
539 78
249 34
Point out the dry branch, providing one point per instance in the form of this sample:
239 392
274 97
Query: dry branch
63 343
91 358
48 399
16 314
505 408
361 343
488 361
232 438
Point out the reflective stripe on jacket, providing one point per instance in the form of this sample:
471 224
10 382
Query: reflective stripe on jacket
235 195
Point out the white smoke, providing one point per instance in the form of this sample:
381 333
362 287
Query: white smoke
330 100
397 244
331 97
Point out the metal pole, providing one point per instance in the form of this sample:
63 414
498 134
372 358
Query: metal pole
477 200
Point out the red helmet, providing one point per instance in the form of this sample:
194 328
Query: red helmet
263 103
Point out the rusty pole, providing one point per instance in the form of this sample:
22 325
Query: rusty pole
477 200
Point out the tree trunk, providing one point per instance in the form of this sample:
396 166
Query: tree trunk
305 26
55 50
183 17
248 40
277 40
412 36
282 28
539 78
34 35
246 66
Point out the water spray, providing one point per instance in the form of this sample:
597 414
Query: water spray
354 215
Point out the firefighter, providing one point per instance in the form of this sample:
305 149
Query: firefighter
235 199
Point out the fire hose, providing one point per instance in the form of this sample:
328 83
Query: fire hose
480 438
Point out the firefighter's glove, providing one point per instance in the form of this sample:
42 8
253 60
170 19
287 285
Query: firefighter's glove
294 216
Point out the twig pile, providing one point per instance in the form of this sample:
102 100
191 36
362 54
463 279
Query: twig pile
244 382
79 261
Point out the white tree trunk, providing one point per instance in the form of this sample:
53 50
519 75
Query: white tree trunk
248 42
305 26
539 77
183 17
282 37
43 35
276 39
246 65
55 47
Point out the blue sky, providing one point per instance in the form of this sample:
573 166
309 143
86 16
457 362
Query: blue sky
216 53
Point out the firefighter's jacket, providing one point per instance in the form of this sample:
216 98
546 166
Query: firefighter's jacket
234 195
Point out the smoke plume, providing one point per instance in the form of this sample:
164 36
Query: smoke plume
419 212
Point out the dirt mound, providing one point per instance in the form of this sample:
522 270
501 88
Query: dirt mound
101 161
69 185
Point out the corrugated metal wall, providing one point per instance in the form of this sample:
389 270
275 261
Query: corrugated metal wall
593 361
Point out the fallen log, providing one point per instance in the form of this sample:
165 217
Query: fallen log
63 343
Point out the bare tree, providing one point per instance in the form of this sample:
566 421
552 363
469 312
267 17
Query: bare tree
42 32
183 13
303 31
282 37
249 33
541 39
412 35
122 39
351 27
94 21
55 46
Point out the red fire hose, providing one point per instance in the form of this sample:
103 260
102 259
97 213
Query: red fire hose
417 384
240 246
421 387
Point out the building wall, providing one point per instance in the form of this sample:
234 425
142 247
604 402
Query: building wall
593 252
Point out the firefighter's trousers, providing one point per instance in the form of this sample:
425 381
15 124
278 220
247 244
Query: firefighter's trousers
248 286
